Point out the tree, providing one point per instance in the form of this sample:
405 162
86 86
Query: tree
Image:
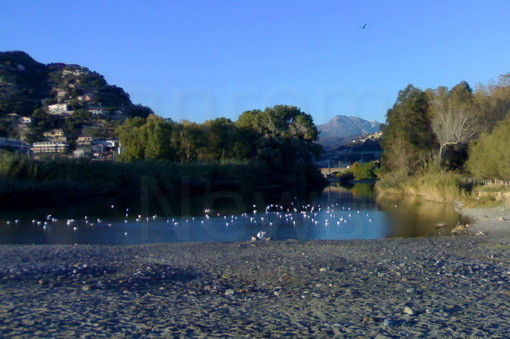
221 136
148 139
408 140
138 111
493 102
191 141
489 157
283 135
454 120
131 140
156 133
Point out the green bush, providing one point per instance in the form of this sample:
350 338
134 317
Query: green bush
489 156
365 170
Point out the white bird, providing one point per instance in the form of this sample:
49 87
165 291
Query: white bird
261 234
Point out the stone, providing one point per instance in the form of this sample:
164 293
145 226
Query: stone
408 310
229 292
388 323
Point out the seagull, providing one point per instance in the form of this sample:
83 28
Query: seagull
261 235
364 26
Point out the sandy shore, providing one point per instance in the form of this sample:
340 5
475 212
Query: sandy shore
430 287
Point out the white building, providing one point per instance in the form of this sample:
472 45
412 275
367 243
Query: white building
57 109
50 147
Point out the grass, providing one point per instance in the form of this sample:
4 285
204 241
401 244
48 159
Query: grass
443 186
437 186
26 178
497 188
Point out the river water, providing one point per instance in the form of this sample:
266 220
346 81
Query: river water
334 214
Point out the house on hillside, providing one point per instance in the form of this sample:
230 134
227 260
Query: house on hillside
105 149
58 109
87 97
84 141
55 135
96 112
50 147
14 145
25 120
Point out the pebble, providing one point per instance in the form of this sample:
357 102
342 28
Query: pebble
238 290
408 310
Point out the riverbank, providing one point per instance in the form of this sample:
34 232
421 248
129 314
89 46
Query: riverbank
495 220
23 181
425 287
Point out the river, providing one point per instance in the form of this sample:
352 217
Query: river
334 214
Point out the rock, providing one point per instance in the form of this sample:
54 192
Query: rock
229 292
408 310
322 269
441 225
387 323
85 288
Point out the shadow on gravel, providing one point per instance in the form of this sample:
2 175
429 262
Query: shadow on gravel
150 276
54 273
86 277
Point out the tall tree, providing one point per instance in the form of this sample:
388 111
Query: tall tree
493 102
488 156
455 119
131 139
157 134
408 140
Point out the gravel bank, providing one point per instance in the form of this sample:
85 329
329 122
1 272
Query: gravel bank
430 287
489 220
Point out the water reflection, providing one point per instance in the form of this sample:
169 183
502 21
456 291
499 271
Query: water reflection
336 213
413 217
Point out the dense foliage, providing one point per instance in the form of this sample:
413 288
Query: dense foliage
408 141
24 180
489 157
281 137
432 129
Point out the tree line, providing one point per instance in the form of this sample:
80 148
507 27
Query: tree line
455 129
282 137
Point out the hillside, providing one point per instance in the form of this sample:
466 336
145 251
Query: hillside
342 129
36 98
26 85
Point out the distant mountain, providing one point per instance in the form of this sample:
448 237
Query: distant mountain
343 129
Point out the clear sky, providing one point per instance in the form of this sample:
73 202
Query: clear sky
198 60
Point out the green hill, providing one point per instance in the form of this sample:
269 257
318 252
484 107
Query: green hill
58 95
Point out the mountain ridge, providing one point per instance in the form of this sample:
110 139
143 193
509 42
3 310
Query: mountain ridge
342 129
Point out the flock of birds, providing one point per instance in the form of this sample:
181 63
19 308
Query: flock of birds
263 223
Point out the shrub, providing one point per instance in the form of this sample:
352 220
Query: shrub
489 157
365 171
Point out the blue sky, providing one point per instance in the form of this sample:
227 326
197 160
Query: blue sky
198 60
